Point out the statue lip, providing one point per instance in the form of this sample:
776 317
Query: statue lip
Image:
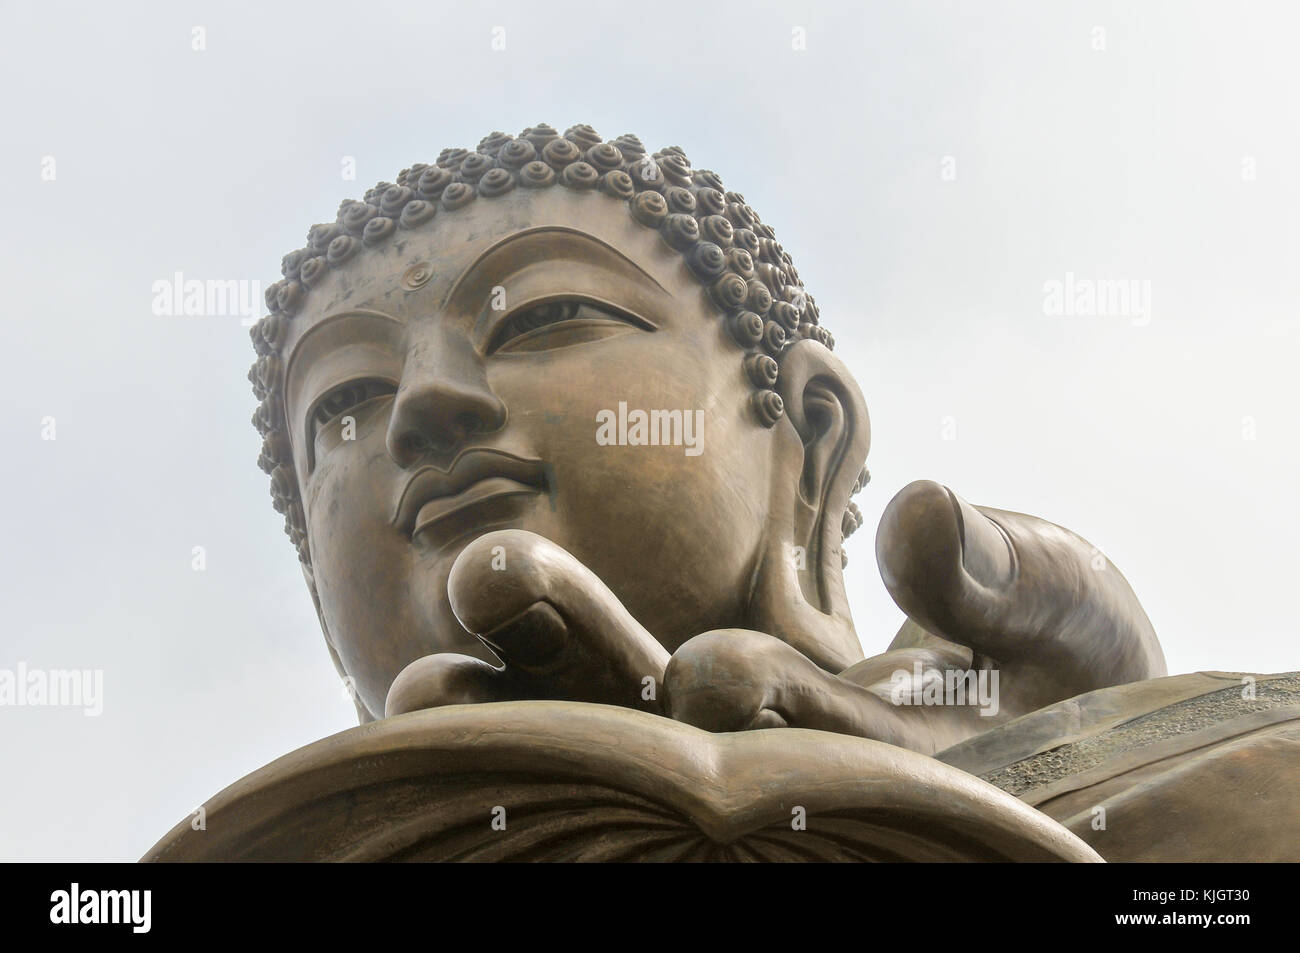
476 475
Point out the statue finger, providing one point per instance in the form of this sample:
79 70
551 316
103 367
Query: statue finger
738 680
1015 588
445 679
553 622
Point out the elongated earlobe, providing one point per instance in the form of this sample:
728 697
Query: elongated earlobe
800 597
829 413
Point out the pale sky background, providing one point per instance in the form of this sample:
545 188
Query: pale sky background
1122 163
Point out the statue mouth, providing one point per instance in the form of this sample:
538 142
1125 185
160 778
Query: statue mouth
433 498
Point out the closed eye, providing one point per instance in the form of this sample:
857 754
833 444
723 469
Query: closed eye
561 322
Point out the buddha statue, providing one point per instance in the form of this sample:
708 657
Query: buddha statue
565 450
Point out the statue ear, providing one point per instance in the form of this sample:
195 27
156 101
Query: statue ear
827 432
828 411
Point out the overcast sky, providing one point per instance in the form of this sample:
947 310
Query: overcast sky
989 150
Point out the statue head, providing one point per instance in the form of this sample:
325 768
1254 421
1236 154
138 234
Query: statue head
573 337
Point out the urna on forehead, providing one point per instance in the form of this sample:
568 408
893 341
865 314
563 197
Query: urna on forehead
750 278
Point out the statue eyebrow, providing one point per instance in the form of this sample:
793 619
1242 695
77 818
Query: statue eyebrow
330 321
540 233
351 313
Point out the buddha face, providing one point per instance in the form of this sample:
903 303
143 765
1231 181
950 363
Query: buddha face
490 370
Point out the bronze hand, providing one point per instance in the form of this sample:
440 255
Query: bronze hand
559 631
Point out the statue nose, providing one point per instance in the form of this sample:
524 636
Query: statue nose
435 415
